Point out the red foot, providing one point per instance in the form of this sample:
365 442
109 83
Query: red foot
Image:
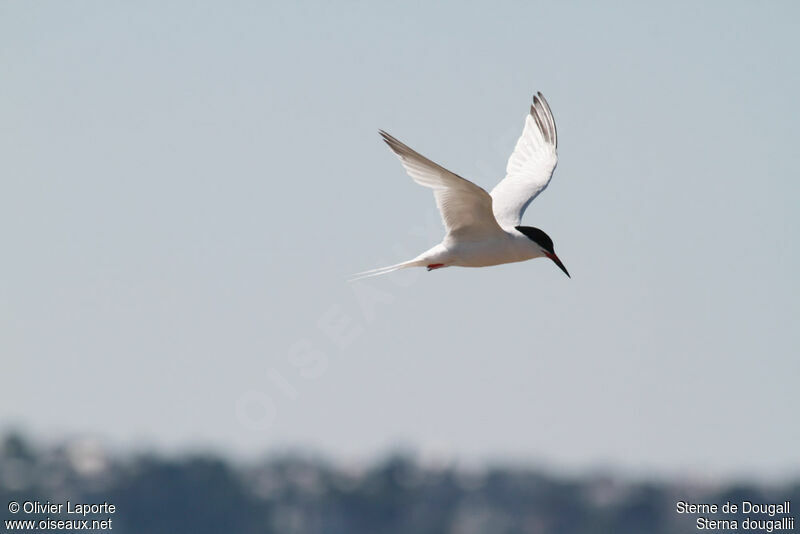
433 266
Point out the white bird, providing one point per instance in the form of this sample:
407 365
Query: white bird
484 229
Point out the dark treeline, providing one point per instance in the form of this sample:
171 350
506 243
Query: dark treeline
208 494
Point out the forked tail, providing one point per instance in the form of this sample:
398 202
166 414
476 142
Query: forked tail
383 270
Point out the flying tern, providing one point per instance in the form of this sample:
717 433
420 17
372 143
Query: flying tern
484 229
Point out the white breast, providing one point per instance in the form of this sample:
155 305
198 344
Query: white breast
513 248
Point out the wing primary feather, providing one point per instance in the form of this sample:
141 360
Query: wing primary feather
544 124
549 118
538 119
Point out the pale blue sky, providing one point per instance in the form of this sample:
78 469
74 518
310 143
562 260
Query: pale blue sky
186 187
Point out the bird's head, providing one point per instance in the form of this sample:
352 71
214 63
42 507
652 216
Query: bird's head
544 243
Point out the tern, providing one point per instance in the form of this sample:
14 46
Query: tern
484 229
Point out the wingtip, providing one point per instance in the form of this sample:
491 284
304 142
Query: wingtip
386 136
540 99
540 111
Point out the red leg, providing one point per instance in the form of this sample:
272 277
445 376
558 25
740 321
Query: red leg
433 266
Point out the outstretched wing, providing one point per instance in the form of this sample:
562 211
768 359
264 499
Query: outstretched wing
530 166
466 209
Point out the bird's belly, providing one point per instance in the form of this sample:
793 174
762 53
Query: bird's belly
483 254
